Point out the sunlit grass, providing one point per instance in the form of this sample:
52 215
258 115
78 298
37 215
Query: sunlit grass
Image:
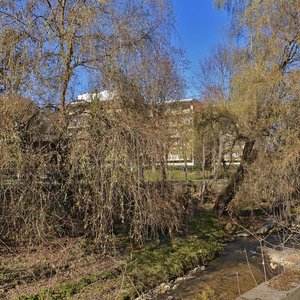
174 174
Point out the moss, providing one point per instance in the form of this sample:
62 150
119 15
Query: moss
154 265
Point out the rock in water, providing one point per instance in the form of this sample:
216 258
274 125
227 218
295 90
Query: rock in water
266 227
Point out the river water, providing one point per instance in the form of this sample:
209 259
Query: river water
236 270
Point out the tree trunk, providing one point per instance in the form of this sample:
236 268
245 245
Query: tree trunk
185 169
225 197
220 157
163 166
64 88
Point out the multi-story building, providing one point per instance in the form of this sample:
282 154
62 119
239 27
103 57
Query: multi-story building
181 137
180 116
181 113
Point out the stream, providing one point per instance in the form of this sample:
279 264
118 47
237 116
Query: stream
237 269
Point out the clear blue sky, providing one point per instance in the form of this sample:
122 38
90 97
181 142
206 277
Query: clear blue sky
199 26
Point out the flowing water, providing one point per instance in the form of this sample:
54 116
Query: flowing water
236 270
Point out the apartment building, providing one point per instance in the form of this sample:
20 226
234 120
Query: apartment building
180 116
181 137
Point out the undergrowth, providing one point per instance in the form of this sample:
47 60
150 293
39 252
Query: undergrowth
146 268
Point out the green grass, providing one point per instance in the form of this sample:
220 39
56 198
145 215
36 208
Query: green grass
193 174
173 174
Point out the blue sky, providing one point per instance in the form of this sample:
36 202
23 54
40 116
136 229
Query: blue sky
199 26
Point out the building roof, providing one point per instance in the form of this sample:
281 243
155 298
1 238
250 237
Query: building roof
102 96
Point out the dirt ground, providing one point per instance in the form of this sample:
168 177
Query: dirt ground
28 270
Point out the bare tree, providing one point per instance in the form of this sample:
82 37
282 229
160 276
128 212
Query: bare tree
14 61
216 130
83 174
69 37
216 72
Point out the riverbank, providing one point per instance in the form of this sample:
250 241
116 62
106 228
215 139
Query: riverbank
236 270
72 269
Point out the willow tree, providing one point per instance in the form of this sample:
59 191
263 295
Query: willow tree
68 39
15 61
263 90
94 171
126 135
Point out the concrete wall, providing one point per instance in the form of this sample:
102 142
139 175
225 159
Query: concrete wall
282 287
